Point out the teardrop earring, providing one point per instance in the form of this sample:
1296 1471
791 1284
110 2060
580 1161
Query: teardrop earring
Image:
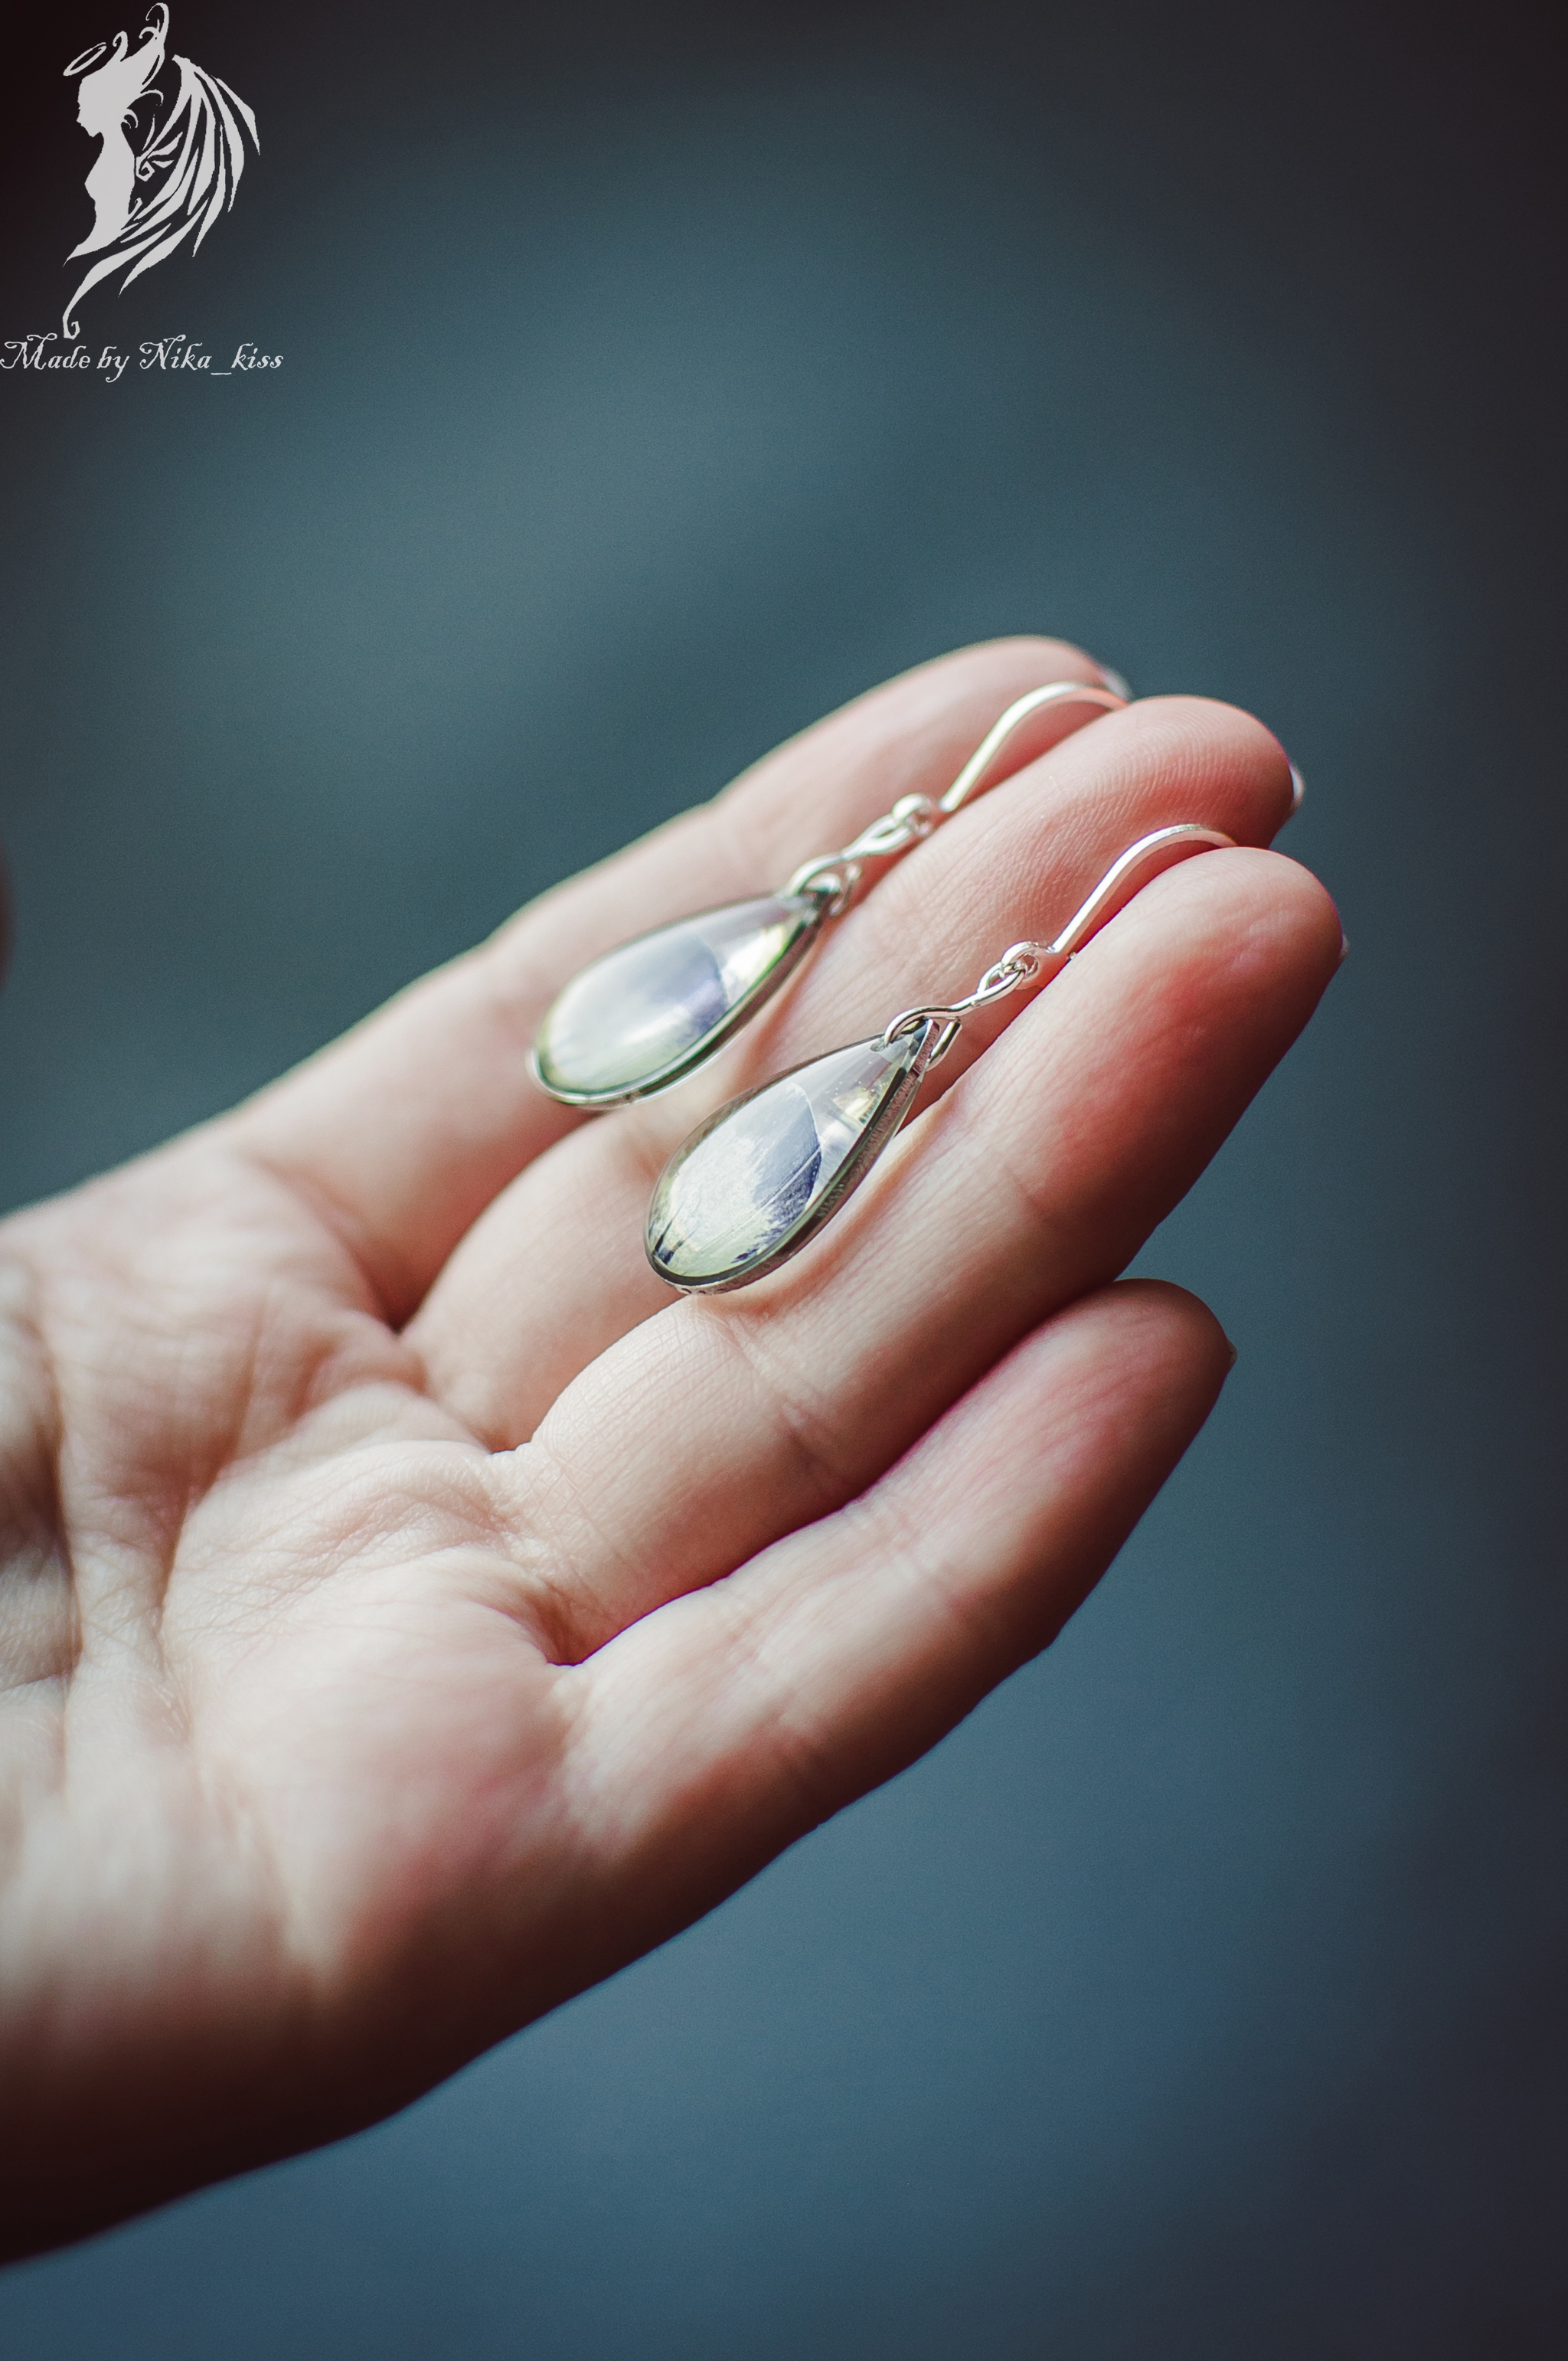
647 1015
759 1179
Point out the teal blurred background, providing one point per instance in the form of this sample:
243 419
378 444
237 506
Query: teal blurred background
652 382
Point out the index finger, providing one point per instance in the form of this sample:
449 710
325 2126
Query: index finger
406 1128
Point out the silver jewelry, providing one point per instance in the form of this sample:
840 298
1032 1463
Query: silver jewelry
756 1182
647 1015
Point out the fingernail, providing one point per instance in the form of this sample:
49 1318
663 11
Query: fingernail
1297 789
1116 680
1235 1353
1343 949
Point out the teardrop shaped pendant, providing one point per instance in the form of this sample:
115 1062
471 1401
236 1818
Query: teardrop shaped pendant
646 1014
760 1178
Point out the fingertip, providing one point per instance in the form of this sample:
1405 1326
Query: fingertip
1267 908
1176 1336
1213 761
1313 915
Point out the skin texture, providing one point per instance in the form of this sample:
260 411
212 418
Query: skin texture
410 1612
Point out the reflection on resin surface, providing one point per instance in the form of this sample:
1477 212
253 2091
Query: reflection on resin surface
742 1186
643 1008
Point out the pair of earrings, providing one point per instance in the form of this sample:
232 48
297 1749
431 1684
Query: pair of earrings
756 1182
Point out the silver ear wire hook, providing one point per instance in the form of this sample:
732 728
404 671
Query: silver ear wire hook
1021 962
1058 692
913 818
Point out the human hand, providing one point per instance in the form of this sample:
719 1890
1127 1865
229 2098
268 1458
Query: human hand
409 1613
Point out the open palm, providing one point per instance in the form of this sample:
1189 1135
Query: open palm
410 1612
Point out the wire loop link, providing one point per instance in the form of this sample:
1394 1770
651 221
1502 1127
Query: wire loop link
1017 966
911 820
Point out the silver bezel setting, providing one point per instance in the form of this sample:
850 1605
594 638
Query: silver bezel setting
708 1044
877 1134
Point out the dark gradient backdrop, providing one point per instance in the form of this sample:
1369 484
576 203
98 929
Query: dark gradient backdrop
652 382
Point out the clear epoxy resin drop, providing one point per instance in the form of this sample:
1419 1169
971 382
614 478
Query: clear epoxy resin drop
645 1014
750 1185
